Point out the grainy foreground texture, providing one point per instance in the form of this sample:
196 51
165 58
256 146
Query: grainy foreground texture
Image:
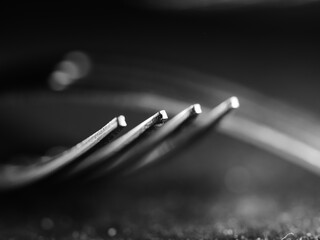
159 205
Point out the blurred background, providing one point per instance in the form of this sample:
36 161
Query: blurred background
243 180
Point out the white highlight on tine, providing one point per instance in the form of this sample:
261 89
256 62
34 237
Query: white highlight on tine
164 115
122 121
197 108
234 102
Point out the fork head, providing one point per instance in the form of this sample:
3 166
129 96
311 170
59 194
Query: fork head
102 154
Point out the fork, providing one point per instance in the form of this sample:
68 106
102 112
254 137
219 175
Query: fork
99 155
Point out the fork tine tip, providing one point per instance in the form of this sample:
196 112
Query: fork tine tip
234 102
122 121
197 108
164 114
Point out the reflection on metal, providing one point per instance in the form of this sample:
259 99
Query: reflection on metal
181 120
289 132
190 135
13 176
105 154
130 152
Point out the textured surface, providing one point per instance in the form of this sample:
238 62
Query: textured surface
164 203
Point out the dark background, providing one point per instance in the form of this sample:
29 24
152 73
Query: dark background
269 46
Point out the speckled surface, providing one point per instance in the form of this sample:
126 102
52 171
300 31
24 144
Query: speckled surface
158 204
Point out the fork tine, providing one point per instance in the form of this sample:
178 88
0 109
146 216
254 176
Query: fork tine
178 141
117 146
180 120
12 176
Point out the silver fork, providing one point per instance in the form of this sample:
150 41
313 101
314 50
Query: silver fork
142 146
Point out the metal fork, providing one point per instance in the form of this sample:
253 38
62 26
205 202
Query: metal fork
100 155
